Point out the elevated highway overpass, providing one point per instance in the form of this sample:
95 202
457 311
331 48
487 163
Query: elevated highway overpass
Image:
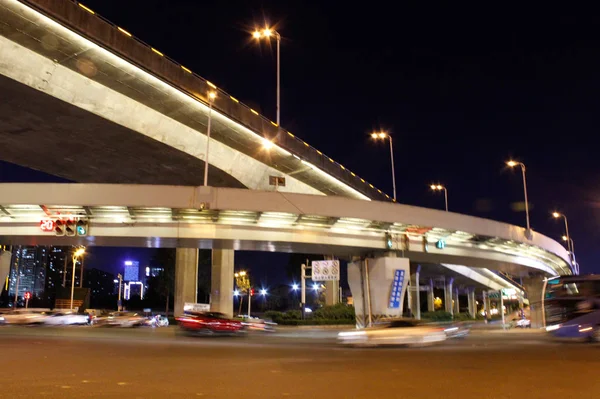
85 100
227 219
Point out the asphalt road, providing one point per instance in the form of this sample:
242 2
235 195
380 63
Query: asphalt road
156 363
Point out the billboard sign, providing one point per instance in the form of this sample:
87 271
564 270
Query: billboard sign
325 270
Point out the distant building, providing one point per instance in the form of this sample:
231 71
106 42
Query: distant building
132 270
42 271
100 283
28 271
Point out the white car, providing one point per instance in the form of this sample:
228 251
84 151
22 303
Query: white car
395 332
521 323
66 319
24 317
120 319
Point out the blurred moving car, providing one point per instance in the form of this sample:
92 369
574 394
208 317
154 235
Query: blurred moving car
457 330
66 319
119 319
520 323
257 324
25 317
394 332
157 321
209 323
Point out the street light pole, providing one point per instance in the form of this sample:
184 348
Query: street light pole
76 254
278 78
567 238
383 136
211 97
512 164
120 277
267 33
393 169
439 187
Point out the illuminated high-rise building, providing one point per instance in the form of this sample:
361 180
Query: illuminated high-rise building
132 270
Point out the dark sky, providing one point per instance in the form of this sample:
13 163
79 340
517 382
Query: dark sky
460 89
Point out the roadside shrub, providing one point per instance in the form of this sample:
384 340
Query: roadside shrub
439 315
335 312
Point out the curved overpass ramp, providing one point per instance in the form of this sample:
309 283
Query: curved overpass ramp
208 217
89 102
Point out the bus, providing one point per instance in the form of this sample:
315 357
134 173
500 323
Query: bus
571 306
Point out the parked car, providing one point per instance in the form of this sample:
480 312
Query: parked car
209 323
394 332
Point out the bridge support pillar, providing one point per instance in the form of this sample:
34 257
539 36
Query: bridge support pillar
472 303
456 301
186 278
378 287
487 305
332 293
430 297
415 293
448 296
221 291
534 289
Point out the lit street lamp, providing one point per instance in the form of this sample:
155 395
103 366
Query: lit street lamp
512 164
211 96
267 33
120 281
383 136
295 287
439 187
567 236
263 292
78 252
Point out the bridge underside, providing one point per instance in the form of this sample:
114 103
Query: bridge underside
41 132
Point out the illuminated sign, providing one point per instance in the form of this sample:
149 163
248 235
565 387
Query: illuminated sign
396 292
47 225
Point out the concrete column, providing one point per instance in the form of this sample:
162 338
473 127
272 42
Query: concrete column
448 296
332 292
416 293
456 301
472 303
186 278
534 290
332 288
487 303
221 288
430 297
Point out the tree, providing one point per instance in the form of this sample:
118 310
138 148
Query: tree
165 281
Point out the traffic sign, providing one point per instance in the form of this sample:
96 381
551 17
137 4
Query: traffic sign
325 270
47 225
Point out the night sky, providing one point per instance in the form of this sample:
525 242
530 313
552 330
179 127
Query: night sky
460 90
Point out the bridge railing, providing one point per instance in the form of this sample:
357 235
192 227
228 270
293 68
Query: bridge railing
118 40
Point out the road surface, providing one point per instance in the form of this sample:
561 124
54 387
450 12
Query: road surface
156 363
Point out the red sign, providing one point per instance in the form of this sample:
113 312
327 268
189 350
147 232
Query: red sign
27 295
47 225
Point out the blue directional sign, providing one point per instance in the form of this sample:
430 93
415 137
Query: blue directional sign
396 293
